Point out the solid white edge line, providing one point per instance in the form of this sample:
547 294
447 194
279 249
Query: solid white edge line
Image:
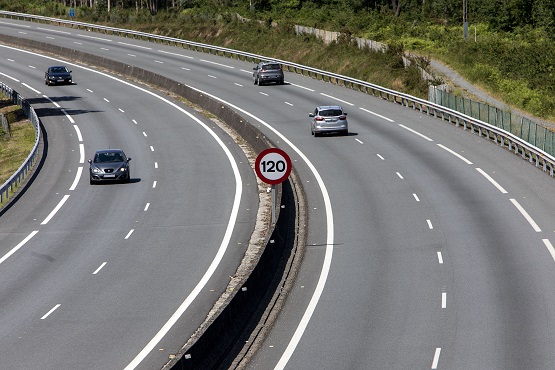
299 86
329 235
67 115
490 179
78 131
217 258
339 100
55 210
136 46
17 247
526 215
52 101
454 153
30 88
376 114
53 31
93 37
238 191
77 178
549 247
415 132
218 64
51 310
81 153
10 77
176 54
436 358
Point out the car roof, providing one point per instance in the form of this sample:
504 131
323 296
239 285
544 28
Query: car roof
109 151
324 107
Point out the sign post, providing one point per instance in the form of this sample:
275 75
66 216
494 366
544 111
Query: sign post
273 166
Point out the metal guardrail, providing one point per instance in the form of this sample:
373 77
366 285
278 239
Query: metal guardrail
499 136
10 186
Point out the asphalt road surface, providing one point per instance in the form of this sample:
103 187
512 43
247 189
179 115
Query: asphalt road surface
428 247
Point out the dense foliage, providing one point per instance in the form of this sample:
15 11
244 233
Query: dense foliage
502 15
510 50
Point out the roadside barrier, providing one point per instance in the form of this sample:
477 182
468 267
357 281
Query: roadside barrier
10 186
534 155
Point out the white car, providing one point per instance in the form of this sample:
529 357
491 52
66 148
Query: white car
329 118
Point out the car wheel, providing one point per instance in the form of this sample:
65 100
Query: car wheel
345 133
281 82
316 134
92 182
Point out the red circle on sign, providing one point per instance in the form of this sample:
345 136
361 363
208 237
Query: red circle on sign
273 166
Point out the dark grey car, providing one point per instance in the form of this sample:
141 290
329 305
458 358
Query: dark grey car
328 118
266 72
109 165
57 75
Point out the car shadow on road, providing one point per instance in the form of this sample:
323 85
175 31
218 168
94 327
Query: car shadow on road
334 134
116 182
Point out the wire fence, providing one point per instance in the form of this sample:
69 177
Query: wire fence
529 131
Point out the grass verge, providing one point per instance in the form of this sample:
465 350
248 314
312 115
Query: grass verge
14 149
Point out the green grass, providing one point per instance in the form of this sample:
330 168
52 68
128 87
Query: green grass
281 42
14 150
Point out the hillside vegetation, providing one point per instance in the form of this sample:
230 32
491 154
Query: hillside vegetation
509 51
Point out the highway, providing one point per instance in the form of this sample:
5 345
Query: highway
91 274
428 247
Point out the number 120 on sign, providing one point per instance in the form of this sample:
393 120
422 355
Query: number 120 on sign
273 166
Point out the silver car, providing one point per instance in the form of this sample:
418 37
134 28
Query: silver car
266 72
109 165
328 118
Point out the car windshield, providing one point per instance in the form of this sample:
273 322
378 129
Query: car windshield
108 157
58 69
331 113
271 66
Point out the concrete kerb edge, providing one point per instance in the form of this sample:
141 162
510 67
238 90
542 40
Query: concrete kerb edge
257 141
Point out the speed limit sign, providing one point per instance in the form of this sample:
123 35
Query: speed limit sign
273 166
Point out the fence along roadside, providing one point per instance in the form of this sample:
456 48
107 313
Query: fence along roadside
505 138
9 188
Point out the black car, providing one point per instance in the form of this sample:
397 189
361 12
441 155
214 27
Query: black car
109 165
266 72
57 75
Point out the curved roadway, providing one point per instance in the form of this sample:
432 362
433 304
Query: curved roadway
91 275
428 247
